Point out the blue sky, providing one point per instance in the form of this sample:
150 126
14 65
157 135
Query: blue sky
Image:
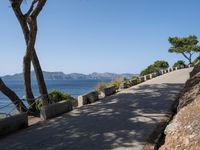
88 36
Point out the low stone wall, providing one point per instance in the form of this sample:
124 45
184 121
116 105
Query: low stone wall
13 123
155 74
141 79
108 91
175 68
147 77
170 70
53 110
88 98
124 85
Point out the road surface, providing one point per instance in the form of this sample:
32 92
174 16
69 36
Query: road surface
121 122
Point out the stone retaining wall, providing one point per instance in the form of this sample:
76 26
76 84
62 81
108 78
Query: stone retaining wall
53 110
108 91
88 98
13 123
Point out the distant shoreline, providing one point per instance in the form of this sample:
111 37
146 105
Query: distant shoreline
72 76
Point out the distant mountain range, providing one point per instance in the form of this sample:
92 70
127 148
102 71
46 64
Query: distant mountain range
71 76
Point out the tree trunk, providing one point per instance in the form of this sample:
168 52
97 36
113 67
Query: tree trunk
28 22
27 81
188 58
40 78
35 61
13 97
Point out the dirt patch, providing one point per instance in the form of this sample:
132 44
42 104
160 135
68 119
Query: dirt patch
33 120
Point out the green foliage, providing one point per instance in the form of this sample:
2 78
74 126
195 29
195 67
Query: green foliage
155 67
149 69
185 46
196 60
127 83
179 63
161 64
136 78
56 96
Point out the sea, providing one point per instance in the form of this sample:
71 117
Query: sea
72 87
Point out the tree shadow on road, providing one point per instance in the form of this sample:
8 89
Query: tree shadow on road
124 120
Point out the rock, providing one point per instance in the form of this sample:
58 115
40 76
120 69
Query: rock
190 91
183 131
195 70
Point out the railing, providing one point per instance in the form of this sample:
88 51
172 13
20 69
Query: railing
10 109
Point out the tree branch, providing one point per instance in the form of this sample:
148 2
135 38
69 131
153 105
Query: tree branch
38 8
188 58
31 8
21 18
12 96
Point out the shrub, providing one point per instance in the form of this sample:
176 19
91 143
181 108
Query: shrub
136 78
117 82
161 64
148 70
127 83
101 86
56 96
179 63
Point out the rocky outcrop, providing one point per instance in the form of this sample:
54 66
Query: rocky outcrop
182 133
195 70
190 92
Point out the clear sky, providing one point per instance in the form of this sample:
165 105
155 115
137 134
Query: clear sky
88 36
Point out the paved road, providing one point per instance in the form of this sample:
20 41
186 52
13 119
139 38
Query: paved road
123 121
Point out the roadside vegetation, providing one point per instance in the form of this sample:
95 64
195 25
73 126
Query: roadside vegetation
117 82
179 64
56 96
155 67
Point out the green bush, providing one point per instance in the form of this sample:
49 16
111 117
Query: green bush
155 67
179 63
136 78
148 70
161 64
54 97
127 83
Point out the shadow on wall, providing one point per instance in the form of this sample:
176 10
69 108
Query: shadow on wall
122 120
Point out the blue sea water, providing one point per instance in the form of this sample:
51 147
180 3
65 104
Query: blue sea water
73 87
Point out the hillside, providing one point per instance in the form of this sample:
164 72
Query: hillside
182 133
71 76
